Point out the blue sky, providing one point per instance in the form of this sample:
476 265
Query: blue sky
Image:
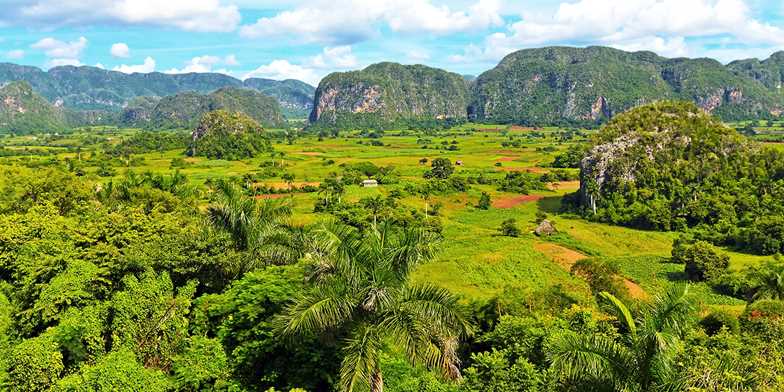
309 39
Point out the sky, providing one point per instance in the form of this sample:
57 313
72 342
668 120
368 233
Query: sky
309 39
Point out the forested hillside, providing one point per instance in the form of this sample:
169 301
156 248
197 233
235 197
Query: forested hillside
584 85
91 88
184 110
24 111
670 166
384 93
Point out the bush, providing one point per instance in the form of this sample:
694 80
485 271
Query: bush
440 168
713 322
484 201
509 228
34 365
601 276
702 261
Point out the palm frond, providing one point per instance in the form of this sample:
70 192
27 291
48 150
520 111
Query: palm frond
588 358
321 309
360 359
621 312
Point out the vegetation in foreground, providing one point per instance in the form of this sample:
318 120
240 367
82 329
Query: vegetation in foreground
123 262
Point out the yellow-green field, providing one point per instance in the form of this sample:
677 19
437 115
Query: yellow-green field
474 261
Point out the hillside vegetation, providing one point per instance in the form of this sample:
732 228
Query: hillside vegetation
184 110
24 111
583 85
384 93
670 166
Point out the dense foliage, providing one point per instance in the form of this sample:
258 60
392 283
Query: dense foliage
228 135
669 166
555 85
388 92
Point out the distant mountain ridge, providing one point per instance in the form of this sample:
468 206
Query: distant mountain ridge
91 88
554 84
568 85
184 110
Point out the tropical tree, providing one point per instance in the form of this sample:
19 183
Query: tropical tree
640 359
770 278
361 289
256 226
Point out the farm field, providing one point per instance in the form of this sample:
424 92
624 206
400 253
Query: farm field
475 260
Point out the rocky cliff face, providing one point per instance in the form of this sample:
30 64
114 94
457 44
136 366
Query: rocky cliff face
648 139
23 111
559 84
387 92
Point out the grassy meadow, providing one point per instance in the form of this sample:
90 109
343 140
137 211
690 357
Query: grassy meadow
474 261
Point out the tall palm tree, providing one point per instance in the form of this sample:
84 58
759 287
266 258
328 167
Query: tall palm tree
641 359
259 227
360 286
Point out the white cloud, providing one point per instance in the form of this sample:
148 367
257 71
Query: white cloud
60 52
331 59
59 49
120 50
231 60
205 63
334 57
192 15
664 26
349 21
282 69
15 54
146 67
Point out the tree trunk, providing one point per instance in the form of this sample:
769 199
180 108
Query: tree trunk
376 381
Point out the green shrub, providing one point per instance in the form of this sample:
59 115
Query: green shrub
702 261
716 320
509 228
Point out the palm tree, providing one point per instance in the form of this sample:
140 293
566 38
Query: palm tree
641 359
256 226
360 286
771 281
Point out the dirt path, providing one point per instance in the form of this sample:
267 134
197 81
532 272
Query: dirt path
566 258
510 202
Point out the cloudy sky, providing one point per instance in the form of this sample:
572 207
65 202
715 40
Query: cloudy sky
308 39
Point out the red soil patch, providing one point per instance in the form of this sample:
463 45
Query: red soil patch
564 185
566 258
506 159
519 128
510 202
562 256
271 196
536 170
283 185
634 289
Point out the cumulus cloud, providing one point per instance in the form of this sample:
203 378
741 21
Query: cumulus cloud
350 21
61 52
15 54
282 69
205 63
120 50
311 70
664 26
192 15
146 67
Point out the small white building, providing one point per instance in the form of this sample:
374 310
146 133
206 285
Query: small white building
369 184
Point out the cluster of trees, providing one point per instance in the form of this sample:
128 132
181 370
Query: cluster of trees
670 166
228 135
